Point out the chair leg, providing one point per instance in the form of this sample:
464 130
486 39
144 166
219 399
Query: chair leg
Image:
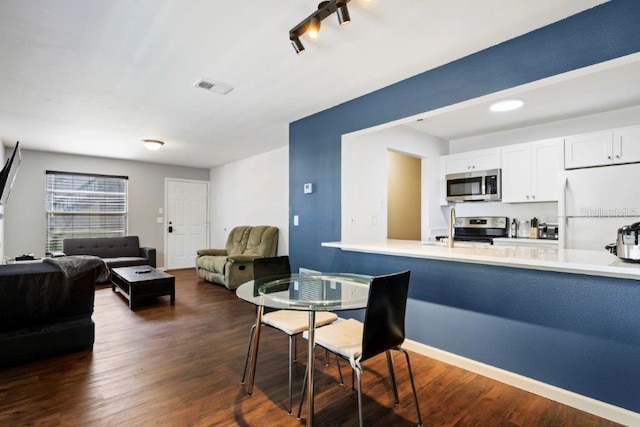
413 386
392 375
358 371
246 360
295 349
339 369
353 379
291 352
304 392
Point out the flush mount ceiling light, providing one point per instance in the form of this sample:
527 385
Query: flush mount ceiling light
506 105
311 24
152 144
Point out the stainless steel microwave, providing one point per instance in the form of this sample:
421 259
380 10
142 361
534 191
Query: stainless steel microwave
474 186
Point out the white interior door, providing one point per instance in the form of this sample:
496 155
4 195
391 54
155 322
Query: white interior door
187 225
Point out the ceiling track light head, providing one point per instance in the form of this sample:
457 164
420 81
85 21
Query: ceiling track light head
342 12
313 28
297 44
311 24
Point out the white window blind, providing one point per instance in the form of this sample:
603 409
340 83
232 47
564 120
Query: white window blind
82 205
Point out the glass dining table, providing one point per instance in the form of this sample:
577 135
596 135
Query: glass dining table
310 293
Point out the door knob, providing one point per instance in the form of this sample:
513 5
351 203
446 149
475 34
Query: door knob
170 229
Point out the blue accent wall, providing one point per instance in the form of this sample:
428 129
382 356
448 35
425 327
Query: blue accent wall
580 333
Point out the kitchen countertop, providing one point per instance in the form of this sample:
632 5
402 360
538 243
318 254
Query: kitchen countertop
595 263
506 241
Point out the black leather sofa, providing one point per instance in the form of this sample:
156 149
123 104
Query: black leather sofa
43 313
114 251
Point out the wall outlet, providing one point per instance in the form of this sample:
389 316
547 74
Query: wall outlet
373 220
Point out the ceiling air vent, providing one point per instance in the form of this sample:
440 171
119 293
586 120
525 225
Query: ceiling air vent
214 86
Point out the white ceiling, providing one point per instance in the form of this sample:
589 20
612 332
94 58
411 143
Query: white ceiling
96 77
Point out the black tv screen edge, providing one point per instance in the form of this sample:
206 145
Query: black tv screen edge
8 174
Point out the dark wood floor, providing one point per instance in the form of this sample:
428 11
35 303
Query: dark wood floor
181 365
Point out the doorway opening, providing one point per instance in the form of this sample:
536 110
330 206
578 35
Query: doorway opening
404 196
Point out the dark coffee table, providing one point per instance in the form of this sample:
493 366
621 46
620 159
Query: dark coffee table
141 282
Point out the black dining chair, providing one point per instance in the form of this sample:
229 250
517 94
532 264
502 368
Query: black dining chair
291 322
382 331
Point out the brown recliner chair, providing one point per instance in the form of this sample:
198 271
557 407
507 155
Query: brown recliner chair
233 265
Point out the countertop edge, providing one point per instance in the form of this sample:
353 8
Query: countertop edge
462 255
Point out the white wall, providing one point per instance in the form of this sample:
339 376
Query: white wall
2 210
364 180
25 220
252 191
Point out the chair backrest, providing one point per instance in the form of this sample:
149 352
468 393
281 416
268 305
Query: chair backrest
267 269
384 317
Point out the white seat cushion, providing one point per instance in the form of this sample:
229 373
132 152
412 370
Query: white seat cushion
294 322
343 338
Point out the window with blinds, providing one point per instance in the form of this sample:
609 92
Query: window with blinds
83 205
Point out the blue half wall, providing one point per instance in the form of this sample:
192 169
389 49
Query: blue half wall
579 333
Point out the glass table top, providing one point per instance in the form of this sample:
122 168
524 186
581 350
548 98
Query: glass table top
322 292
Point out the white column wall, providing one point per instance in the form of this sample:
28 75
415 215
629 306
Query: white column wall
251 191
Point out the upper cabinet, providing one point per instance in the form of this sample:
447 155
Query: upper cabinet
473 161
602 148
530 171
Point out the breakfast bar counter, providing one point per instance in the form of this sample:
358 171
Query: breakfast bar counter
590 262
566 319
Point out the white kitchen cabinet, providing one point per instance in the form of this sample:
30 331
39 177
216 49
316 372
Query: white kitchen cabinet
477 160
626 145
603 148
530 171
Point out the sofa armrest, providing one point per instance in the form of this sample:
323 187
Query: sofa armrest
149 254
214 252
243 258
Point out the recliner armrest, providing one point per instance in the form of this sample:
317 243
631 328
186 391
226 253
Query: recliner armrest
149 254
243 258
214 252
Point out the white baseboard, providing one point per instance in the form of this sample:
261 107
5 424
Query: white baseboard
569 398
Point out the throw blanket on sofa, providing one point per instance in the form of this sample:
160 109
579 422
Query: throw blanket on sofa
75 265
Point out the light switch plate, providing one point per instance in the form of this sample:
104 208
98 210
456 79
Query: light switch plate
159 220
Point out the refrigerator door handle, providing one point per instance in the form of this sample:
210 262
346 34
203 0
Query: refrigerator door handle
562 212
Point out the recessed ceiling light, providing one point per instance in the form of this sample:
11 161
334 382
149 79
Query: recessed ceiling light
506 105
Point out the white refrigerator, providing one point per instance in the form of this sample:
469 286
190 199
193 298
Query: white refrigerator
595 202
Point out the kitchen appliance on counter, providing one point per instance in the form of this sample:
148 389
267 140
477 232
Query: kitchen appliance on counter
479 229
547 231
595 203
626 246
475 186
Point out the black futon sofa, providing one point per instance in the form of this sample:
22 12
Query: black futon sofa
42 312
114 251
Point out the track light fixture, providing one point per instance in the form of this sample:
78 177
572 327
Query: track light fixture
311 24
343 13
